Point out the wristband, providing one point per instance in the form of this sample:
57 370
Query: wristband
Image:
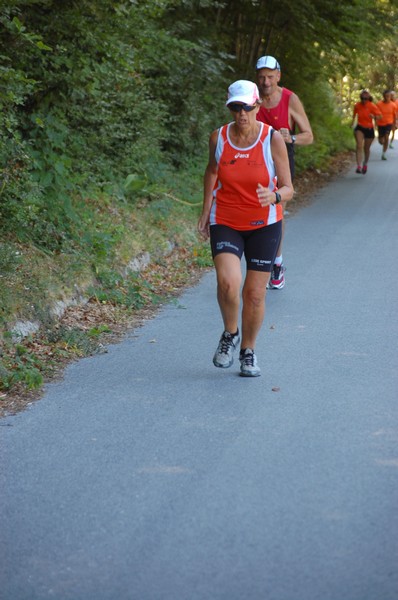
277 197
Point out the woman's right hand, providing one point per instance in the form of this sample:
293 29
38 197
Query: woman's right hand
203 226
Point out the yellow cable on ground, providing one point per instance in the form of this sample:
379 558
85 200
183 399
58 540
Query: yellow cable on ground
182 201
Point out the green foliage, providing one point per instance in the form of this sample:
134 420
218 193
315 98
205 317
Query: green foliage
132 291
20 367
331 135
88 107
21 364
97 331
202 255
77 342
10 258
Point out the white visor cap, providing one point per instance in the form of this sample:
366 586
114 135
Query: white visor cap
243 91
267 62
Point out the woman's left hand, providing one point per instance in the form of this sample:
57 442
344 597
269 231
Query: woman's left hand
265 196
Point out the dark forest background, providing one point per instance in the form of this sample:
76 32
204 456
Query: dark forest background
94 91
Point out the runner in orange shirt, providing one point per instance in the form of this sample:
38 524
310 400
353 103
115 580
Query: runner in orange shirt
388 111
365 112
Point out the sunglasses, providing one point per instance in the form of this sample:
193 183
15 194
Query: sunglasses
238 107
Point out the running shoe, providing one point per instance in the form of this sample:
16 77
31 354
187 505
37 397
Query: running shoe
226 347
391 146
277 279
248 363
383 157
364 169
359 170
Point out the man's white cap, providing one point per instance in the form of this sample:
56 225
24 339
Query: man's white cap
267 62
243 91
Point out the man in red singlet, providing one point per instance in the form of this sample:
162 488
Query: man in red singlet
282 109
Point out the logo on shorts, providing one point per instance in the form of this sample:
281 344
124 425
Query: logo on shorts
254 223
260 262
223 245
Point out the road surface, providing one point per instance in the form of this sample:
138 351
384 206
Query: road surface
148 474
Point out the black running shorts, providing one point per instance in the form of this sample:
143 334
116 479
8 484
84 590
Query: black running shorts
290 154
258 245
368 132
384 130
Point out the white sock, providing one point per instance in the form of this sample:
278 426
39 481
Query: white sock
278 260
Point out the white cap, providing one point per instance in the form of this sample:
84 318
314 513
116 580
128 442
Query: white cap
267 62
243 91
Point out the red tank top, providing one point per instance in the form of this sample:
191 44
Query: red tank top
279 115
240 170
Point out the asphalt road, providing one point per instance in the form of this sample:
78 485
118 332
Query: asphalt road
148 474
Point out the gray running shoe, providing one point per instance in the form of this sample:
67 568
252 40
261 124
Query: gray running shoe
248 363
226 347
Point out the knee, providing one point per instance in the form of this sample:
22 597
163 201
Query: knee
253 296
228 286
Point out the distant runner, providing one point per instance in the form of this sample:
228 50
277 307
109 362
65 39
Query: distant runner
388 111
365 113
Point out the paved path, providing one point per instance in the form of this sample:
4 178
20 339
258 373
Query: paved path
147 474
